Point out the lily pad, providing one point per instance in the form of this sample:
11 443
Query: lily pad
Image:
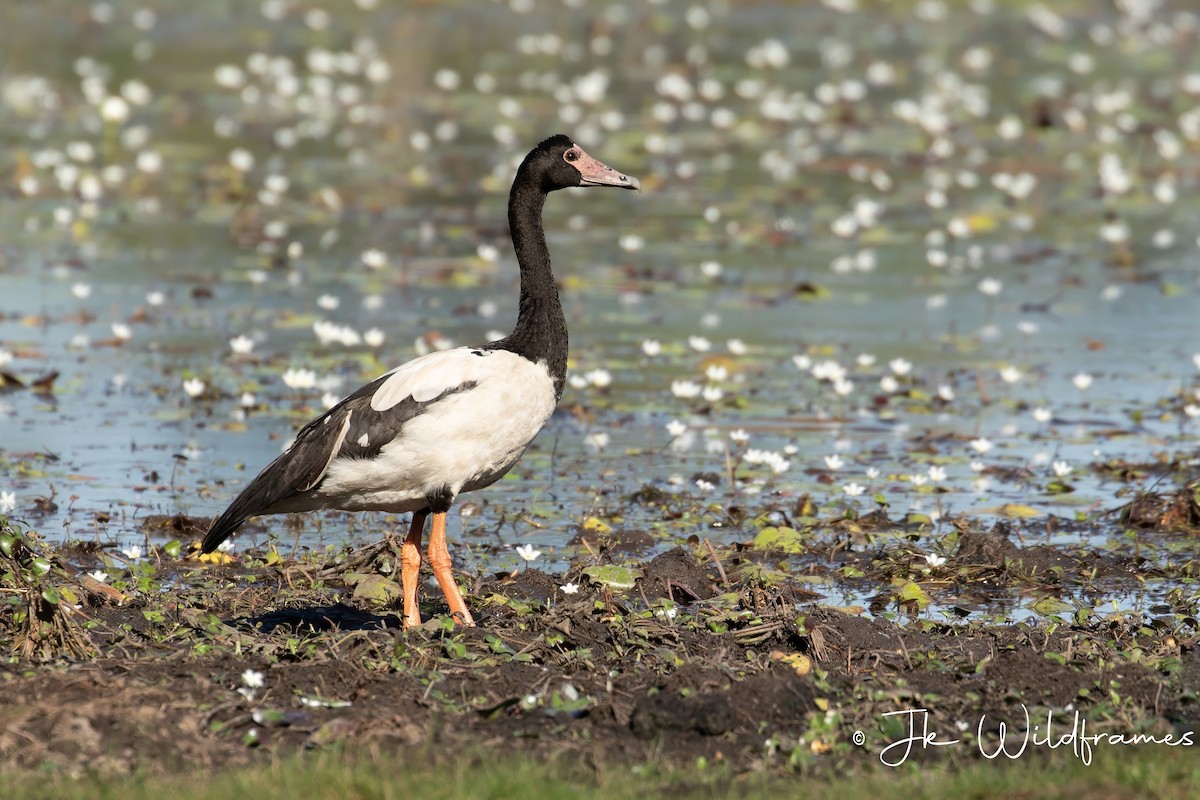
613 576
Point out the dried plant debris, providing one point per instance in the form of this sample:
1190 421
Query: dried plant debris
266 654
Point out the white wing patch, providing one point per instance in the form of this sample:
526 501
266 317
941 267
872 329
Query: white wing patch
426 377
463 442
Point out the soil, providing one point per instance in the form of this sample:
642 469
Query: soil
732 663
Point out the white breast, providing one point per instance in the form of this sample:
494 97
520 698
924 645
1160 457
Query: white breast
464 441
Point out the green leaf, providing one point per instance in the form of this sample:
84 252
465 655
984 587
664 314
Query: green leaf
613 576
7 540
789 540
1049 606
911 592
51 596
374 588
173 548
41 565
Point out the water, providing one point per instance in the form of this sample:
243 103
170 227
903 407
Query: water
795 206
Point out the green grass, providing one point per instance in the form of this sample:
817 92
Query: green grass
1149 772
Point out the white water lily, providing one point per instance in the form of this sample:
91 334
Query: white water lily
241 344
193 387
527 552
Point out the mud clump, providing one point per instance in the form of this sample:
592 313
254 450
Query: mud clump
264 656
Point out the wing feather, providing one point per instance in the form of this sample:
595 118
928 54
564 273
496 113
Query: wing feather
356 428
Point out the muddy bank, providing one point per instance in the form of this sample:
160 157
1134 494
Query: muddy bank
210 665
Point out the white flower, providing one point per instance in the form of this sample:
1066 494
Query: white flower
1042 414
600 378
8 502
651 347
1061 469
978 466
248 400
712 394
1192 410
918 480
241 344
241 160
900 366
716 373
122 331
133 552
946 393
374 337
804 363
253 679
374 259
1082 381
737 347
990 286
865 359
1010 374
193 387
853 489
527 552
598 440
98 575
82 290
934 560
676 428
699 344
834 461
937 474
888 384
740 436
981 445
631 243
685 389
569 588
827 370
872 473
300 378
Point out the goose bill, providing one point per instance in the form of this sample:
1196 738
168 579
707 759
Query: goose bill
597 173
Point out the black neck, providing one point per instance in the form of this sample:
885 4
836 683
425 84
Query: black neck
541 330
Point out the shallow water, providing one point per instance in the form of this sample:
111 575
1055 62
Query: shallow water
754 155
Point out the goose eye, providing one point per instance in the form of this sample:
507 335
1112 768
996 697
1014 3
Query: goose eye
571 155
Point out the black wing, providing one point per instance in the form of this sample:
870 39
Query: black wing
351 429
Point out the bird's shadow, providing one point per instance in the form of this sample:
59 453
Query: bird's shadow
315 619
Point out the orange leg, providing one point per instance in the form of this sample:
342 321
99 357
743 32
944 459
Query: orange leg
410 569
439 559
